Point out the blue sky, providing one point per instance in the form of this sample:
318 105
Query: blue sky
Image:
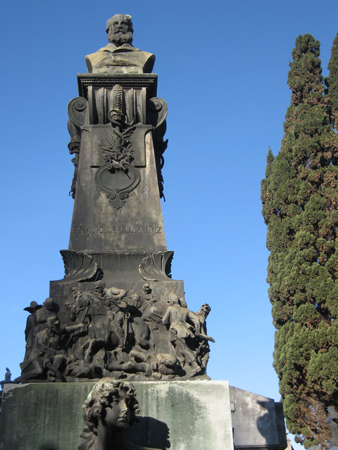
222 69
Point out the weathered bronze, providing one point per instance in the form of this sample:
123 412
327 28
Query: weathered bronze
117 313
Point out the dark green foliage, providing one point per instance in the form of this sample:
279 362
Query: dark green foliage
300 208
332 81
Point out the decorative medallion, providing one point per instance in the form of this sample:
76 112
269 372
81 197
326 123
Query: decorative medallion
117 177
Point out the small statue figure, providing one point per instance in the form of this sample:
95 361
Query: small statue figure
119 56
43 357
8 375
180 318
182 324
3 382
147 292
49 309
7 379
202 315
47 359
203 348
150 311
31 324
110 408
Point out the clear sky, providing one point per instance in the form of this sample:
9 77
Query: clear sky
222 68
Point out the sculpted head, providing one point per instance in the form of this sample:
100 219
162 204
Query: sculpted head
120 30
173 300
49 303
146 288
110 405
205 310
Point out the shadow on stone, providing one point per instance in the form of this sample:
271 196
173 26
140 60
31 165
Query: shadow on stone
264 419
149 432
47 447
270 423
257 421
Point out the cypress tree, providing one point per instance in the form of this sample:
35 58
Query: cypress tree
300 208
332 81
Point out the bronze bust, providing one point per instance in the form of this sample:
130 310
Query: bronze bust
119 56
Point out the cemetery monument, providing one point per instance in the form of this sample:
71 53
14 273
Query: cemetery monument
117 316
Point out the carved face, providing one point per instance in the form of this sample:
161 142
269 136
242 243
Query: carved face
118 413
205 310
173 300
119 30
49 303
146 288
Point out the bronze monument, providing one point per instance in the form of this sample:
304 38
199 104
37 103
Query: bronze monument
117 313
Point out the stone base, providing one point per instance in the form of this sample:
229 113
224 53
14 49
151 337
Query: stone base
175 415
257 421
178 415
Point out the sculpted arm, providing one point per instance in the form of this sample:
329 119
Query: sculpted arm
166 317
195 321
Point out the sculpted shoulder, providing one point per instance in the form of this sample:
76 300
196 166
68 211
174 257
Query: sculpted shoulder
123 59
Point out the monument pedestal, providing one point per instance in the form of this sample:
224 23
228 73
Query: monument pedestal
175 415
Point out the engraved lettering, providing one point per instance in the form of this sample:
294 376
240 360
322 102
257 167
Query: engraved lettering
117 229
